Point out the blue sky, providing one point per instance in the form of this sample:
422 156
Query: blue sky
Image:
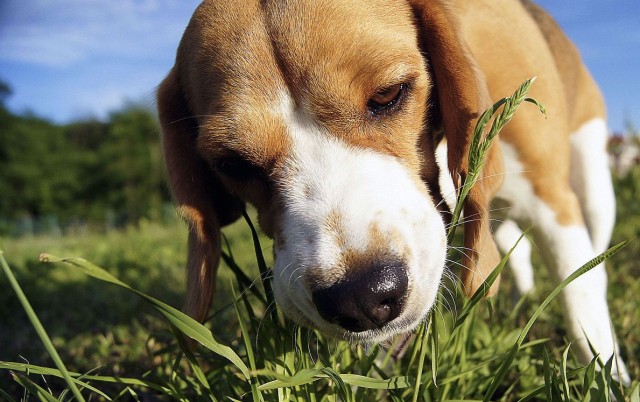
70 59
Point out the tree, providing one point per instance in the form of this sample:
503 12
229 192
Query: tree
131 161
87 169
37 172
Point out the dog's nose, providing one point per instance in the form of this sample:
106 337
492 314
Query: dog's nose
368 300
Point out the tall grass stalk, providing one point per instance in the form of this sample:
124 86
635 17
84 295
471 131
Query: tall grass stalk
478 149
480 143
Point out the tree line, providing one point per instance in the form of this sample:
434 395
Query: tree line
84 172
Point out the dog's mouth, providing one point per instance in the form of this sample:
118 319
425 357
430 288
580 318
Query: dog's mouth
370 303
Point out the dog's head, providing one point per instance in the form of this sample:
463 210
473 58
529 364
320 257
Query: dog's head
323 115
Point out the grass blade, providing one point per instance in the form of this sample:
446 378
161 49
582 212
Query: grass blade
635 393
243 280
183 322
39 370
6 396
34 388
376 383
197 372
265 272
37 325
485 286
546 370
255 392
305 376
423 341
565 379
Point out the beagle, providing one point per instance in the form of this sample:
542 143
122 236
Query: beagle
326 116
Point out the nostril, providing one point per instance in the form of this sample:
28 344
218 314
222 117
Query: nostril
389 286
367 300
381 314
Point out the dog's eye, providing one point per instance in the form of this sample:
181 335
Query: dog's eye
236 168
386 99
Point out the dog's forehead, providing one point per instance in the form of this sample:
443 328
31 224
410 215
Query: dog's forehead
342 33
311 45
225 47
325 56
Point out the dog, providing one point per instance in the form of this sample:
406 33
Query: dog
347 125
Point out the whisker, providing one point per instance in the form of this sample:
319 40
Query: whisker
266 314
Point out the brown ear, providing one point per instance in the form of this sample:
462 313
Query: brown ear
202 200
461 96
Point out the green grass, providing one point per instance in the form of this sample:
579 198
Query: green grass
141 350
124 344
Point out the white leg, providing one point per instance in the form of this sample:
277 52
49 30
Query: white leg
591 181
447 189
506 236
566 248
585 299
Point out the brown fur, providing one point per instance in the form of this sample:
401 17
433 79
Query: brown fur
216 102
534 46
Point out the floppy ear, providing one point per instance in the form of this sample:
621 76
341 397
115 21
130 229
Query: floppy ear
202 200
458 98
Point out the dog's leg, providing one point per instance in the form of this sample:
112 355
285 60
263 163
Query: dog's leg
591 180
565 249
506 236
565 245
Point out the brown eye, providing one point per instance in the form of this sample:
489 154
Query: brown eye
386 99
237 169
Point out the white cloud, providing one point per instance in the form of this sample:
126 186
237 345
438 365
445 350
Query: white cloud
59 33
72 58
99 102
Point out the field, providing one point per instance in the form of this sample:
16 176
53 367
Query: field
108 331
124 344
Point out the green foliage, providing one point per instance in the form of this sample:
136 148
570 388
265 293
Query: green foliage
37 172
84 171
92 324
627 190
131 175
625 269
253 357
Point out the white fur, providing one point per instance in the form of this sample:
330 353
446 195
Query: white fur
324 176
565 249
591 180
506 235
447 188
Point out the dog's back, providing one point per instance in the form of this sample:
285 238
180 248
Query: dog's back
589 172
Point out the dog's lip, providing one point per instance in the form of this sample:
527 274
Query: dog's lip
297 315
402 324
398 326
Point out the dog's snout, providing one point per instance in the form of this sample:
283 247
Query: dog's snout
368 300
